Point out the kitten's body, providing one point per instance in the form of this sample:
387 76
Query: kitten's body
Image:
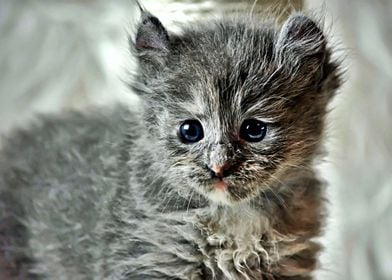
115 196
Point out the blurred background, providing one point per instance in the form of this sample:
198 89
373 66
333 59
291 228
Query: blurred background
62 54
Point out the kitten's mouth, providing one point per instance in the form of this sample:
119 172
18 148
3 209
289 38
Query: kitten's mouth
227 191
220 185
219 194
218 191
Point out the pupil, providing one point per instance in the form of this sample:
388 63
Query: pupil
254 130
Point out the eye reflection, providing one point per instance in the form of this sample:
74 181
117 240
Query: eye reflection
253 130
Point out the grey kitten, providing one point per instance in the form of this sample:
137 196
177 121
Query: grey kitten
213 180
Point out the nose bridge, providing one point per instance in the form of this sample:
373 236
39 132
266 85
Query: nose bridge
220 154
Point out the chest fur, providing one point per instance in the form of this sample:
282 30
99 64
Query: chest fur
241 243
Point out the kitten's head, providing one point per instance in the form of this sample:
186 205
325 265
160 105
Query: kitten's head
233 105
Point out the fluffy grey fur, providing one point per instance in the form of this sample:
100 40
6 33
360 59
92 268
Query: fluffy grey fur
112 194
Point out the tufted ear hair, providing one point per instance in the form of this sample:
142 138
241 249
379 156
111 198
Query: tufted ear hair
301 34
151 45
151 35
302 46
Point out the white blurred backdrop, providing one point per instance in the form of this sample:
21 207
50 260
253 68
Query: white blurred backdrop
62 54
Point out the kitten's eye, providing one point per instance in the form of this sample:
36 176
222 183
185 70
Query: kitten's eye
253 130
191 131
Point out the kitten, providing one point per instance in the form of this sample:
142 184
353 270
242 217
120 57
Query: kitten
213 180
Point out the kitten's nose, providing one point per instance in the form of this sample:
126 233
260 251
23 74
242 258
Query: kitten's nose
220 171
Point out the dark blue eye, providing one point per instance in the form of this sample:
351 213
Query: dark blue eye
253 130
191 131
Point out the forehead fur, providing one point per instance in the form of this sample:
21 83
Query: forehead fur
220 56
221 64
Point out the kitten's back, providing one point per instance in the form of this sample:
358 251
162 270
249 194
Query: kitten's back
68 165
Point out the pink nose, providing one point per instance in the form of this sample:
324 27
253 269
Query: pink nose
219 170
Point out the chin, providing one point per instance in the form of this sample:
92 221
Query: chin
221 197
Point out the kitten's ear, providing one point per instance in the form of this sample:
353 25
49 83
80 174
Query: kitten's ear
151 45
151 35
301 45
301 34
